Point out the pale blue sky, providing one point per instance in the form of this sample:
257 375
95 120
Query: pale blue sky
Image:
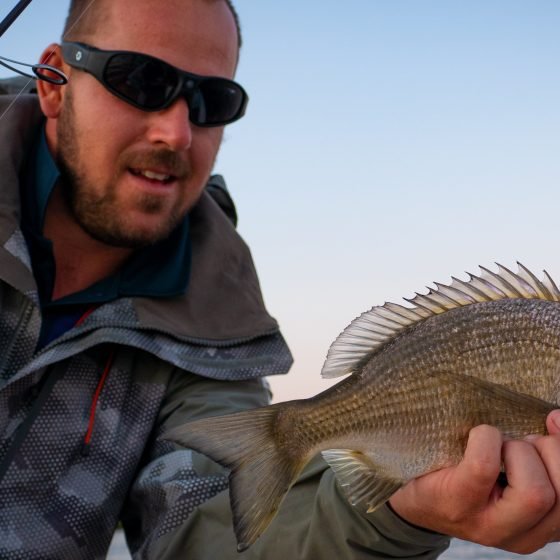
387 144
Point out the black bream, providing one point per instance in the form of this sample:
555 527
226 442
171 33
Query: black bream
483 351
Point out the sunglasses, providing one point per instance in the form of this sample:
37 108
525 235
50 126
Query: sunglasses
151 84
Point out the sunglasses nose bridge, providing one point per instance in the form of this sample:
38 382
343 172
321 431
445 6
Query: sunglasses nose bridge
189 90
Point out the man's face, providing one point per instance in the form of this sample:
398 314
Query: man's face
130 176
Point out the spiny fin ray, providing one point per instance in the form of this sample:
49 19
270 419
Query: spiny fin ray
373 329
551 285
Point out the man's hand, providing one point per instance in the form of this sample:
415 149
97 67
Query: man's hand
466 501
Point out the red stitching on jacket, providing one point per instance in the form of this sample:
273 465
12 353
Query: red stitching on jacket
87 439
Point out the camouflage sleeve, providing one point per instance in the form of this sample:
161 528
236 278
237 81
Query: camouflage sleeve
179 505
173 481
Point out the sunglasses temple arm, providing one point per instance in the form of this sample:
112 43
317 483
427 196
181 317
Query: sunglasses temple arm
13 15
20 72
60 77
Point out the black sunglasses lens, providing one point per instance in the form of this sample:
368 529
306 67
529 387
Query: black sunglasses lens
151 84
146 82
215 101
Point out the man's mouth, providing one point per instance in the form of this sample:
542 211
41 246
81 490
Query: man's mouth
153 175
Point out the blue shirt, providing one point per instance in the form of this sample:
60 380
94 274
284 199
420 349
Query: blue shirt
159 271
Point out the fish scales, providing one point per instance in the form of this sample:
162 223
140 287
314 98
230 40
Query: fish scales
486 351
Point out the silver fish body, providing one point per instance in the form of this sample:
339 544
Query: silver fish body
485 351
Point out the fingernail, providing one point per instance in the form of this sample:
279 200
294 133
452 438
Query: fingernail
531 437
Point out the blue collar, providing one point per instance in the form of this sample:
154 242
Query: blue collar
159 271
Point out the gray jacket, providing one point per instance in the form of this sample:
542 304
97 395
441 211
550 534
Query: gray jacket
130 371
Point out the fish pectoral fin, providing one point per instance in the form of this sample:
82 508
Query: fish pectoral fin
514 414
362 480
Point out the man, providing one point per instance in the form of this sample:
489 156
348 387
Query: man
130 306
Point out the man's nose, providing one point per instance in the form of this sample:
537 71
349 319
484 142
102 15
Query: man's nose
172 126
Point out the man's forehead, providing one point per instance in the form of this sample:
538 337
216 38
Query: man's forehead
170 30
122 14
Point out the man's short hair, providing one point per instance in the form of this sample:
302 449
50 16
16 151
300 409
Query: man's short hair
83 19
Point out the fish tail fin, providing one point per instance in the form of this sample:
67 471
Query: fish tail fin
262 471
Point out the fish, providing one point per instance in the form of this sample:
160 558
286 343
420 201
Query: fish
418 377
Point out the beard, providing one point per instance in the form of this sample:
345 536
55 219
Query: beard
100 214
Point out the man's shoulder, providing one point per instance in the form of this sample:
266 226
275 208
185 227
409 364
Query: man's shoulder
17 85
18 102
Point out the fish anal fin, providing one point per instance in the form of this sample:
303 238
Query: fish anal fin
362 480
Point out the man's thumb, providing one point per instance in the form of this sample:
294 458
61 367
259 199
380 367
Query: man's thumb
481 463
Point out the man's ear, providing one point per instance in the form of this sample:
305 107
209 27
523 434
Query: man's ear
51 95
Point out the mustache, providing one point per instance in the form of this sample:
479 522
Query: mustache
161 159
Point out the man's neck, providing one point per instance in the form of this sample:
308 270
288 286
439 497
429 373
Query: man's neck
80 259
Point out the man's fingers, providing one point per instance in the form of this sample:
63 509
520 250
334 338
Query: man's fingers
530 494
535 491
549 451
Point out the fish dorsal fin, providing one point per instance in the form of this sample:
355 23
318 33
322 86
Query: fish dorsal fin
376 327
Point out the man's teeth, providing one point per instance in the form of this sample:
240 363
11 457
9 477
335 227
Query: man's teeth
155 176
